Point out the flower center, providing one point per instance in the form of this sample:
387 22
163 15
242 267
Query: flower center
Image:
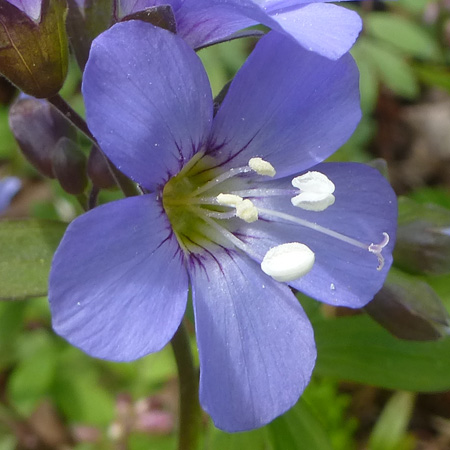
206 206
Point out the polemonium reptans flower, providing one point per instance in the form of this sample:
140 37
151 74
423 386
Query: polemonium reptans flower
9 187
218 214
32 8
317 25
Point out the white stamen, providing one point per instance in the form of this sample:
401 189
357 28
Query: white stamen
261 167
229 199
288 262
377 248
316 191
247 211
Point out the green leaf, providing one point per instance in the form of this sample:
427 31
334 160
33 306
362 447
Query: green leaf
390 431
27 250
255 440
368 81
402 33
391 67
435 76
11 320
79 393
32 377
358 349
298 428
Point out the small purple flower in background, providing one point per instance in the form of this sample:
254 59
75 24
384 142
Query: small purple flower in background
234 203
316 25
9 187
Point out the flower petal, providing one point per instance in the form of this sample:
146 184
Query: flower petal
289 106
32 8
365 208
326 29
200 22
323 28
118 286
256 344
148 100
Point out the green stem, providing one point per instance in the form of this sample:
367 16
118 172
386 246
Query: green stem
124 183
190 412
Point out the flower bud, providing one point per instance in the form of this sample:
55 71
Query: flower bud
69 166
33 45
409 309
423 241
37 127
86 19
98 170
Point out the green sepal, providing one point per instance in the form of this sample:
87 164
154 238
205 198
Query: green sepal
27 248
34 55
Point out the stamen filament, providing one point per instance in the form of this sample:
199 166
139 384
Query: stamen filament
265 192
314 226
231 238
221 178
221 215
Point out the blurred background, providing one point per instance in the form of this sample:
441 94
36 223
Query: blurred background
370 390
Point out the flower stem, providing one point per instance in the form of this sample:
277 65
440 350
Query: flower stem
124 183
190 412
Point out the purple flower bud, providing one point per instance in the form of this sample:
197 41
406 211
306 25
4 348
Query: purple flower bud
35 57
99 171
409 309
37 127
423 243
69 166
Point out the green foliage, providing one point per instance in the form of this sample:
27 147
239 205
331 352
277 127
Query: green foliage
404 34
390 431
358 349
27 250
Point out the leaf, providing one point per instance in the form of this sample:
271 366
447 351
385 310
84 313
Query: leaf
358 349
298 428
403 34
27 248
220 440
79 391
435 76
391 67
390 431
32 377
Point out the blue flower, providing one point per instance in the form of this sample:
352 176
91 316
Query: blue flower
32 8
233 204
9 187
316 25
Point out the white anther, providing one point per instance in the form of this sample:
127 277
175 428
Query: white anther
262 167
247 211
288 262
229 199
377 248
316 191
